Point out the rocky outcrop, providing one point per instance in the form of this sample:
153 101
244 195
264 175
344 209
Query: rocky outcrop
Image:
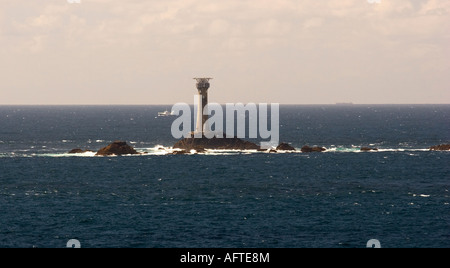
285 147
78 151
307 149
368 149
179 152
442 147
200 144
117 148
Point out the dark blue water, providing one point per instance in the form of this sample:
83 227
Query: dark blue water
340 198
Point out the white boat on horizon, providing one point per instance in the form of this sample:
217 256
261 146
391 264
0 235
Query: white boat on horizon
166 113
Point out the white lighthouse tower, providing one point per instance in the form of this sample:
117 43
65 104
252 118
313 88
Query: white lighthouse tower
202 114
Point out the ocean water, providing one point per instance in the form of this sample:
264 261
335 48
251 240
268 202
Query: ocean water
339 198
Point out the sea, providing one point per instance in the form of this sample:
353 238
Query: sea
341 198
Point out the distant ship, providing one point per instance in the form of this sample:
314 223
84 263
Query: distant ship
344 103
166 113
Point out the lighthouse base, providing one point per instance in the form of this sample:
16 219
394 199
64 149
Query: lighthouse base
216 143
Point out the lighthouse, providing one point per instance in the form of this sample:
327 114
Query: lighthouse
202 113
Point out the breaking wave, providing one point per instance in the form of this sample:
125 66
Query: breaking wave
160 150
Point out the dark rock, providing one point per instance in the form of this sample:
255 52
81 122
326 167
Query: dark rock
79 151
200 150
117 148
442 147
179 152
307 149
368 149
200 144
285 147
76 151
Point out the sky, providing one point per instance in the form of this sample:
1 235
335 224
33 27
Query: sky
139 52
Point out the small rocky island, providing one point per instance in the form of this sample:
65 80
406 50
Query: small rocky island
115 148
442 147
316 149
284 147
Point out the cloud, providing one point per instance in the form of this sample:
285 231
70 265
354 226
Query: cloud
313 23
101 20
219 27
307 43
